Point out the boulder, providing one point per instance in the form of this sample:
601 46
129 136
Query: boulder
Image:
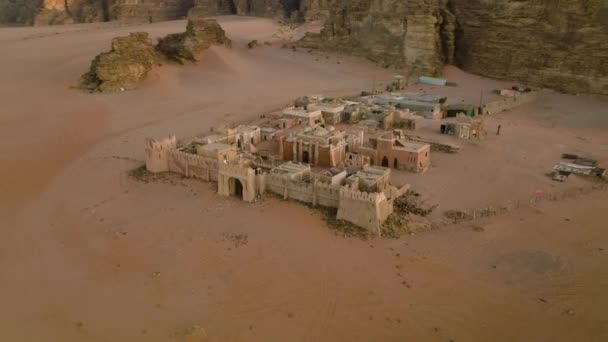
200 35
123 67
252 44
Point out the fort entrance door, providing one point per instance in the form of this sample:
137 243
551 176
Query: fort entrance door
236 187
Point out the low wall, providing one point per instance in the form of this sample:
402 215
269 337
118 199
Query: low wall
192 165
326 195
508 103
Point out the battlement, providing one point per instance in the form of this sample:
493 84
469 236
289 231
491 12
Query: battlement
168 143
372 197
236 170
188 158
328 188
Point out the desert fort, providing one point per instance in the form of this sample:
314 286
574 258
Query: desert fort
314 170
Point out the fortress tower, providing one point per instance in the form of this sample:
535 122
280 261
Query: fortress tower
157 153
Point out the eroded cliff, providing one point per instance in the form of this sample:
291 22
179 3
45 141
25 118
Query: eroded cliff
390 32
557 44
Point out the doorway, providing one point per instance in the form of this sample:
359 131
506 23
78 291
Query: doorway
236 187
305 157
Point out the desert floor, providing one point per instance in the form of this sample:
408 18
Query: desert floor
89 254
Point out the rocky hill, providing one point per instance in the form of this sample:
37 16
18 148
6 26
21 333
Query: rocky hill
390 32
557 44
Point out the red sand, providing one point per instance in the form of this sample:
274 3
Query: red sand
88 254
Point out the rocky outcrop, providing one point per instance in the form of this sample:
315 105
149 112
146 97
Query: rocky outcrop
390 32
19 12
556 44
259 8
49 12
59 12
560 45
133 56
148 10
123 67
200 35
315 9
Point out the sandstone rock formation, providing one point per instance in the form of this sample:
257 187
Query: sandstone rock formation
315 9
148 10
390 32
123 67
19 12
260 8
58 12
200 35
556 44
133 56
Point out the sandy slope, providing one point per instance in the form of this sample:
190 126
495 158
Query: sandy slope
89 255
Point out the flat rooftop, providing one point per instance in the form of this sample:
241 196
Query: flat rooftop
247 128
373 173
328 107
290 168
214 147
411 146
301 112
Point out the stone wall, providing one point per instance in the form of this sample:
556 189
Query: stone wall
508 103
326 195
157 153
367 210
230 174
192 165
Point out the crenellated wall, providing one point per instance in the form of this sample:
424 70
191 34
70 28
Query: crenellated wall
365 209
157 153
192 165
326 195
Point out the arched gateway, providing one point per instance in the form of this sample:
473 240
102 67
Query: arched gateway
237 180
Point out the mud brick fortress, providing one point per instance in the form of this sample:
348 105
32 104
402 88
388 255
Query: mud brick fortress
318 151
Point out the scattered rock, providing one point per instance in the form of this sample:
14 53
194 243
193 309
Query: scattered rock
194 333
253 44
477 228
